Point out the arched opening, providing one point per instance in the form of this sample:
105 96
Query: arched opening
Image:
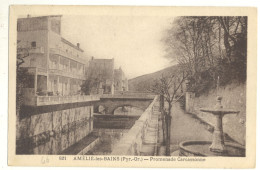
128 111
101 109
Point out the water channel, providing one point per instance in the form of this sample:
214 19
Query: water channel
115 128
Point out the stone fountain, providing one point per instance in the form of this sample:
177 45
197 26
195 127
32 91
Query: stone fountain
216 147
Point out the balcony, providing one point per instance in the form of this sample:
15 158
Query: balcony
67 55
36 70
53 100
67 74
30 50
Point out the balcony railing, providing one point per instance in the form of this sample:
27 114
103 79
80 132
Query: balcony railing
52 100
30 50
68 55
36 69
67 74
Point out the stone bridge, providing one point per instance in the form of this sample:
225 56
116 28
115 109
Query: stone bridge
111 102
142 139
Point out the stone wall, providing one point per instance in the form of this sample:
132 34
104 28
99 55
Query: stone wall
53 132
111 104
131 143
233 97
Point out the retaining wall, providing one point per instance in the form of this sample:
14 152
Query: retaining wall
53 131
131 142
233 97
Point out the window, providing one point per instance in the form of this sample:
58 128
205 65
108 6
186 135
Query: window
30 81
33 44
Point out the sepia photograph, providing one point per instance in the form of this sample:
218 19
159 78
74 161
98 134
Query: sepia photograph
131 84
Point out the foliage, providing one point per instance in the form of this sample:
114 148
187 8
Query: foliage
93 82
170 86
209 47
90 85
22 76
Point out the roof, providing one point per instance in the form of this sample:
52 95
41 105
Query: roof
47 16
70 44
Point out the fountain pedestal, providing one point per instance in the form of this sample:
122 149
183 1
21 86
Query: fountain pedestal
217 146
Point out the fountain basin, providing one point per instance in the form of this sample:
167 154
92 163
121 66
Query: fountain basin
201 148
217 111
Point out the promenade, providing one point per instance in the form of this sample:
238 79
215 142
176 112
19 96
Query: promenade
184 127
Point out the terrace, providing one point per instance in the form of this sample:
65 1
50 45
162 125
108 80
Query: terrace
53 100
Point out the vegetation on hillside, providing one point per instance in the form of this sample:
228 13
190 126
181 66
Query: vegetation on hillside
207 48
145 82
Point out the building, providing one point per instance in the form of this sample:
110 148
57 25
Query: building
57 67
109 80
120 80
53 116
103 71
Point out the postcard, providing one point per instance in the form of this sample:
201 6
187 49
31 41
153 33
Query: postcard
132 86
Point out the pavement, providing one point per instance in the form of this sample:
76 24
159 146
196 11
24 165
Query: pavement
184 127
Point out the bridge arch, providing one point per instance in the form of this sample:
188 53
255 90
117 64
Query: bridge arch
135 111
111 104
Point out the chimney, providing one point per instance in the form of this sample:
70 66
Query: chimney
78 45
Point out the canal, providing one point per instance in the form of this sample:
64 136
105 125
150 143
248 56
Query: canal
111 128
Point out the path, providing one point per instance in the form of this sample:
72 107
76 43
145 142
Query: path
185 127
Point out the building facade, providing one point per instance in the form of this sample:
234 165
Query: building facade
103 71
110 80
57 67
53 116
120 80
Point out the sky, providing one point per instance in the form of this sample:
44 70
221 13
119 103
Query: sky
134 42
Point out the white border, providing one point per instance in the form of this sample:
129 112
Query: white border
4 12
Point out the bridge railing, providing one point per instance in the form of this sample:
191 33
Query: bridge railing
133 92
131 142
51 100
134 95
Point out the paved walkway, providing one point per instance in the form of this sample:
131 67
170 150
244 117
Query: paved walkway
185 127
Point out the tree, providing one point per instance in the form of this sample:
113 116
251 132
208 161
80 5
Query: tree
90 84
168 87
94 80
235 41
22 77
209 47
21 74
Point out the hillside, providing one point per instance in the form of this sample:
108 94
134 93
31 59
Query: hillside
144 82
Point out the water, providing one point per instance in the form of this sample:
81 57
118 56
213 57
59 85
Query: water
109 136
129 111
109 139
